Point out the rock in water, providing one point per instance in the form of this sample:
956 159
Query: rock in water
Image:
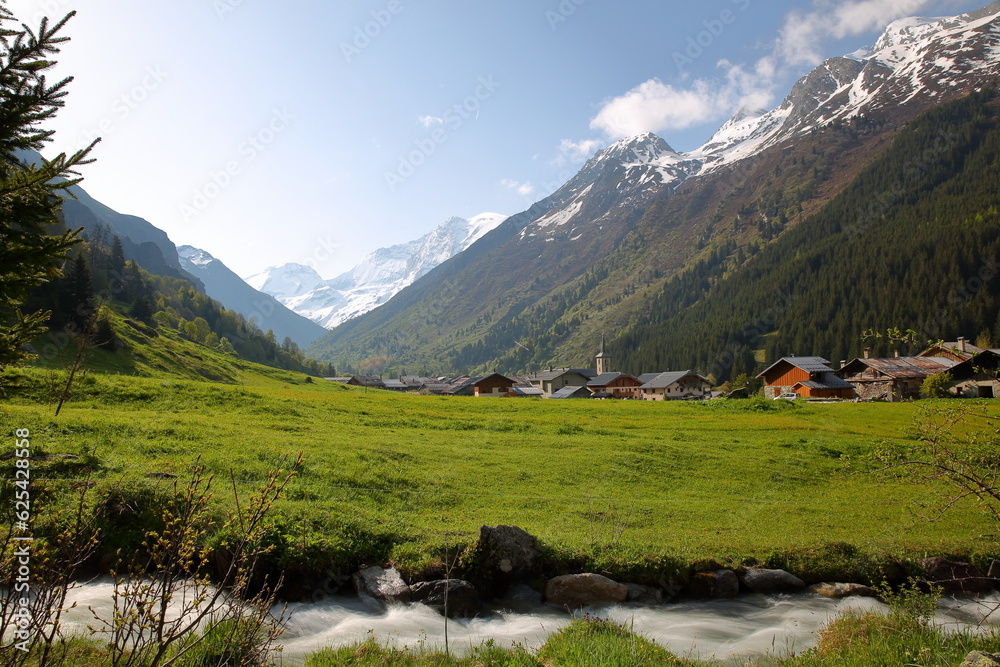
463 598
717 584
583 590
640 594
382 585
760 580
844 590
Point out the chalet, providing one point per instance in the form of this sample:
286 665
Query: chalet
519 391
960 350
675 386
809 377
615 385
570 391
394 385
978 376
895 379
360 381
487 385
553 380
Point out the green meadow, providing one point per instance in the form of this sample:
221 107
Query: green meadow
637 489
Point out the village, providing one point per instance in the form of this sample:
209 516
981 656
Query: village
967 371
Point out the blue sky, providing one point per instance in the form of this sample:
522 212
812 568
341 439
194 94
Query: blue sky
315 132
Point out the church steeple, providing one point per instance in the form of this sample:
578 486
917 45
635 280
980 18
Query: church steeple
603 360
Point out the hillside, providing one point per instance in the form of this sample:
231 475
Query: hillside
228 288
912 242
595 257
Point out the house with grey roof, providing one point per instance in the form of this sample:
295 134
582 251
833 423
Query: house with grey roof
570 391
810 377
615 385
554 379
675 386
893 379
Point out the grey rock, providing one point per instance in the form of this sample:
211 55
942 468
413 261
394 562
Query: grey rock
382 585
463 598
844 590
980 659
760 580
641 594
716 584
583 590
507 550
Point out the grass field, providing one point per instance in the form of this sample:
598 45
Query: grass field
627 487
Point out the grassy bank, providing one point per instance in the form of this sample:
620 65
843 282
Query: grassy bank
637 489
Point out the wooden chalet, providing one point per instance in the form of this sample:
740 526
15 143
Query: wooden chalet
894 379
486 385
615 385
959 350
809 377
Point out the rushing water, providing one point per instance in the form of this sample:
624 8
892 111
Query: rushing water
719 629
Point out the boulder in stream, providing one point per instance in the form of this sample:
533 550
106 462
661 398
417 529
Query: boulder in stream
584 590
760 580
716 584
463 598
844 590
382 585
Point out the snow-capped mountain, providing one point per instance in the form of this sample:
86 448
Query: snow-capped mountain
920 61
917 61
639 210
376 278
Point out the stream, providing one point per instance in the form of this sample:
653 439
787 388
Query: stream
722 630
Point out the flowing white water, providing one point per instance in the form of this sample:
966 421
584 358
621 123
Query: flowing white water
722 630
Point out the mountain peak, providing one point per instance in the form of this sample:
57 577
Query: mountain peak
645 148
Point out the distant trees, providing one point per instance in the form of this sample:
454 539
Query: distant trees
29 204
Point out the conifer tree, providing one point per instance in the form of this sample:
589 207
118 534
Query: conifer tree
29 201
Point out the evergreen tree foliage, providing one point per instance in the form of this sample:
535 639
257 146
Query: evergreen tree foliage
29 206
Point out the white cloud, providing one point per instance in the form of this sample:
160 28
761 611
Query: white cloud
574 152
523 189
430 121
804 32
654 106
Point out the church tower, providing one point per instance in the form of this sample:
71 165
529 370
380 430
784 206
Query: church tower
603 360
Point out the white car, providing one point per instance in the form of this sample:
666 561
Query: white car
788 396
